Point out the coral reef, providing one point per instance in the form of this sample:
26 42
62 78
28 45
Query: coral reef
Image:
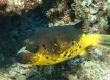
59 13
94 69
13 7
97 13
96 17
17 72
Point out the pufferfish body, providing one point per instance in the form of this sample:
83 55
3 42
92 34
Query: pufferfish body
57 44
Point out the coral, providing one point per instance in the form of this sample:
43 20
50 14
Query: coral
2 3
18 71
59 13
94 69
13 7
96 14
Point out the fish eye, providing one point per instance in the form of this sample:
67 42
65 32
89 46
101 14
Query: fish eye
35 48
32 48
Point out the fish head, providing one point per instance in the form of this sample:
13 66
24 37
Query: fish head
37 51
26 53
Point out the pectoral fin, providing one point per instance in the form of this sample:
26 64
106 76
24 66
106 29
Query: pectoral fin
84 53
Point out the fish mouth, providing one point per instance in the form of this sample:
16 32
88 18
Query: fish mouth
23 56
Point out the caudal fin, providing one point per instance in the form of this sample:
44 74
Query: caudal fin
104 41
101 40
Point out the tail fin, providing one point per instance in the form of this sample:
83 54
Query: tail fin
101 40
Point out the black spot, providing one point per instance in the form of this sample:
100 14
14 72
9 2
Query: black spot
54 60
65 54
70 50
69 55
72 39
79 46
51 59
44 46
47 57
76 49
58 34
47 63
72 43
45 37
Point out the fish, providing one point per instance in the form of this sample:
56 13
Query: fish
53 45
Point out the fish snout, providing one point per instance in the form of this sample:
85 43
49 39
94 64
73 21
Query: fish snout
23 58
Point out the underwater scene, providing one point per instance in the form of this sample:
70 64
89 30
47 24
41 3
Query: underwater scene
54 39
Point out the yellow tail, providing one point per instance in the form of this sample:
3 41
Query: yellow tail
101 40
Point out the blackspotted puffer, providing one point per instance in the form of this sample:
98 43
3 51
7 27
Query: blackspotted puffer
57 44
